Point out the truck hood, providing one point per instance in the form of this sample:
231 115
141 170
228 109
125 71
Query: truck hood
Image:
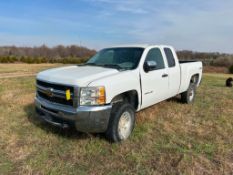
75 75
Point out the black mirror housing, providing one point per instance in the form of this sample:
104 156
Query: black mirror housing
149 66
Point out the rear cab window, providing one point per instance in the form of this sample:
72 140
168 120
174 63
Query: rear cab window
170 57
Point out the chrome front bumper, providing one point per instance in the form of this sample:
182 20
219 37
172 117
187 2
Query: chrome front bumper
85 118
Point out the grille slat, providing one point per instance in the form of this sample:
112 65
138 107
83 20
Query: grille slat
55 93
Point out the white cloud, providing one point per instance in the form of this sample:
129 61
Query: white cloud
203 26
136 10
186 24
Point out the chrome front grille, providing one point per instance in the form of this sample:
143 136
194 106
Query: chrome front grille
55 93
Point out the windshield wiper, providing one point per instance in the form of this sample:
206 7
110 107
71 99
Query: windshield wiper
90 64
114 66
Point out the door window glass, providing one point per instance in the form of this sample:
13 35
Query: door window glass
156 55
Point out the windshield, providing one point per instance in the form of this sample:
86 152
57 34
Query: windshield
118 58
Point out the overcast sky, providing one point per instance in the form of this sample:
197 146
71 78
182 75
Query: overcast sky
201 25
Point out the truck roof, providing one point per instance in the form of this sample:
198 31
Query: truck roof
140 45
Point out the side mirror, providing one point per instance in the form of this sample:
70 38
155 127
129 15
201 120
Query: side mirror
149 66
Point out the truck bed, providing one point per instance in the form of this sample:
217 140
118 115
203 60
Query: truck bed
188 61
187 69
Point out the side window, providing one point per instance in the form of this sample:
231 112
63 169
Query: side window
170 57
156 55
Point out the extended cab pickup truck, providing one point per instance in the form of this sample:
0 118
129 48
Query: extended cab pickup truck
102 95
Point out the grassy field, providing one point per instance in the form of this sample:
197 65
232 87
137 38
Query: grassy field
25 68
169 138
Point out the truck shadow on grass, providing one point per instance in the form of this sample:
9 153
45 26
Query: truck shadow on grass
176 99
69 132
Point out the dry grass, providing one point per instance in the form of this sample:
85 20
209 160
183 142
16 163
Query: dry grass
25 68
214 69
169 138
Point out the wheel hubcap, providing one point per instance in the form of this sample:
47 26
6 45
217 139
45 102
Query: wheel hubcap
191 94
124 126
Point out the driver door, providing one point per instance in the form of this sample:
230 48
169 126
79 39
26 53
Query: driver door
154 82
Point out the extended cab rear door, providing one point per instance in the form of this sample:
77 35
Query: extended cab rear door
154 83
173 71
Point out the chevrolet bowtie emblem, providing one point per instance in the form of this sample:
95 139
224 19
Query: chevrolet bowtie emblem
49 92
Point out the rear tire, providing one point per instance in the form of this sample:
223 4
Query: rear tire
121 123
189 95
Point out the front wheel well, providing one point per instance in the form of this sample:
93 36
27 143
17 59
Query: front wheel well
130 97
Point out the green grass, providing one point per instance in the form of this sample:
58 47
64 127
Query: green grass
169 138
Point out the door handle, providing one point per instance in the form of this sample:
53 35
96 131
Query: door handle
164 75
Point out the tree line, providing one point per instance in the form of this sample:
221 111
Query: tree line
79 54
208 58
45 54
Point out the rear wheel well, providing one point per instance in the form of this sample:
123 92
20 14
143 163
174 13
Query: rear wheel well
194 79
130 97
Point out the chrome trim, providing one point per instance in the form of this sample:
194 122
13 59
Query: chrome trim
53 91
59 107
74 95
94 108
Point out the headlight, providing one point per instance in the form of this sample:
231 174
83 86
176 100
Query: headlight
92 96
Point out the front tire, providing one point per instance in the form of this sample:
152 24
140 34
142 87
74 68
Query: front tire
121 123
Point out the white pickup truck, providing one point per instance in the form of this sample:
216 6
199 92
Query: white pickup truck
102 95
